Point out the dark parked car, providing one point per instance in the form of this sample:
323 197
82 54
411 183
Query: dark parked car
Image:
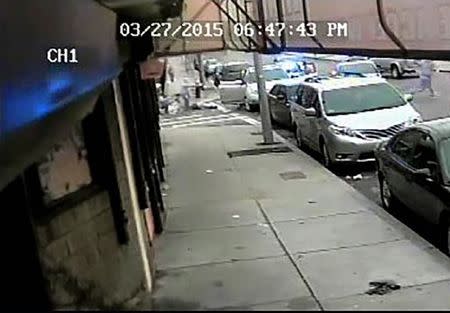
281 97
414 170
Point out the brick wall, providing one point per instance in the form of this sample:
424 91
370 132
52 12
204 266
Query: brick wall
84 264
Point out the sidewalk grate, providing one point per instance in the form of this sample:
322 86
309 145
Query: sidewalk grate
258 151
292 175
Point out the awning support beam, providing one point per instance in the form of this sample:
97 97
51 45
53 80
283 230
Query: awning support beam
252 21
387 29
219 6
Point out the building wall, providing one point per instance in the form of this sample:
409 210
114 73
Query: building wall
83 262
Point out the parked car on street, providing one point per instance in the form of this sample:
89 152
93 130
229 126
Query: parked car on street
295 64
229 72
344 118
397 68
281 97
414 170
209 66
227 79
271 73
291 68
363 68
244 90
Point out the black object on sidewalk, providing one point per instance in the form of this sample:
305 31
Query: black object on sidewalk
198 90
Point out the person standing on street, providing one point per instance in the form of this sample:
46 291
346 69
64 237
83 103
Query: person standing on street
426 74
171 73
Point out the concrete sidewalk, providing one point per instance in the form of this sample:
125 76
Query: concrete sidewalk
278 231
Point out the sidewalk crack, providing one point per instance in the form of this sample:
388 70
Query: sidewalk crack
290 255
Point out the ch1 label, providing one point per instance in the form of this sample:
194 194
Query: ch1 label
62 55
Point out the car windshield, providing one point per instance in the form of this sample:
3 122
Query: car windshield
358 68
361 99
272 74
445 155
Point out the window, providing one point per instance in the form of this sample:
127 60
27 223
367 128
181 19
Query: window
309 96
357 68
75 169
300 90
65 169
292 92
403 146
424 152
316 105
282 91
275 90
361 99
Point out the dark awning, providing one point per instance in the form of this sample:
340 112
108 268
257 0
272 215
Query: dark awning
41 101
400 28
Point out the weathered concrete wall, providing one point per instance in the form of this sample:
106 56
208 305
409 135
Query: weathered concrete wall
85 265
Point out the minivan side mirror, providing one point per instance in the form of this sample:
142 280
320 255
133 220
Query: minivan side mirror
281 97
310 112
409 97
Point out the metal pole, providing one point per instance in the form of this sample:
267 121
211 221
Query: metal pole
262 94
263 101
201 69
280 13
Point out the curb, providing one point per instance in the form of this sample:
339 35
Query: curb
373 207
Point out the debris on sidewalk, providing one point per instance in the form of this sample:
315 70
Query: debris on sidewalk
311 201
209 171
207 104
263 224
382 287
236 216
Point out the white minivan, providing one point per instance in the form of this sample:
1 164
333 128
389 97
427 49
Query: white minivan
345 118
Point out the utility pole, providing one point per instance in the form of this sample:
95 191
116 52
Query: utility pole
201 69
262 94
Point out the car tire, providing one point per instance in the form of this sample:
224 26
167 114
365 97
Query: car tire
326 160
395 72
444 230
247 106
388 200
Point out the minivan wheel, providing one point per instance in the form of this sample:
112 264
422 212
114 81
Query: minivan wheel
395 72
326 160
387 198
247 106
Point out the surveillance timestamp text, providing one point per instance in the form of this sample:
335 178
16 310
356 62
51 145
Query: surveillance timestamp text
205 30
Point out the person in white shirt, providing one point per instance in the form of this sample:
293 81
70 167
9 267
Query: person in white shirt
426 74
